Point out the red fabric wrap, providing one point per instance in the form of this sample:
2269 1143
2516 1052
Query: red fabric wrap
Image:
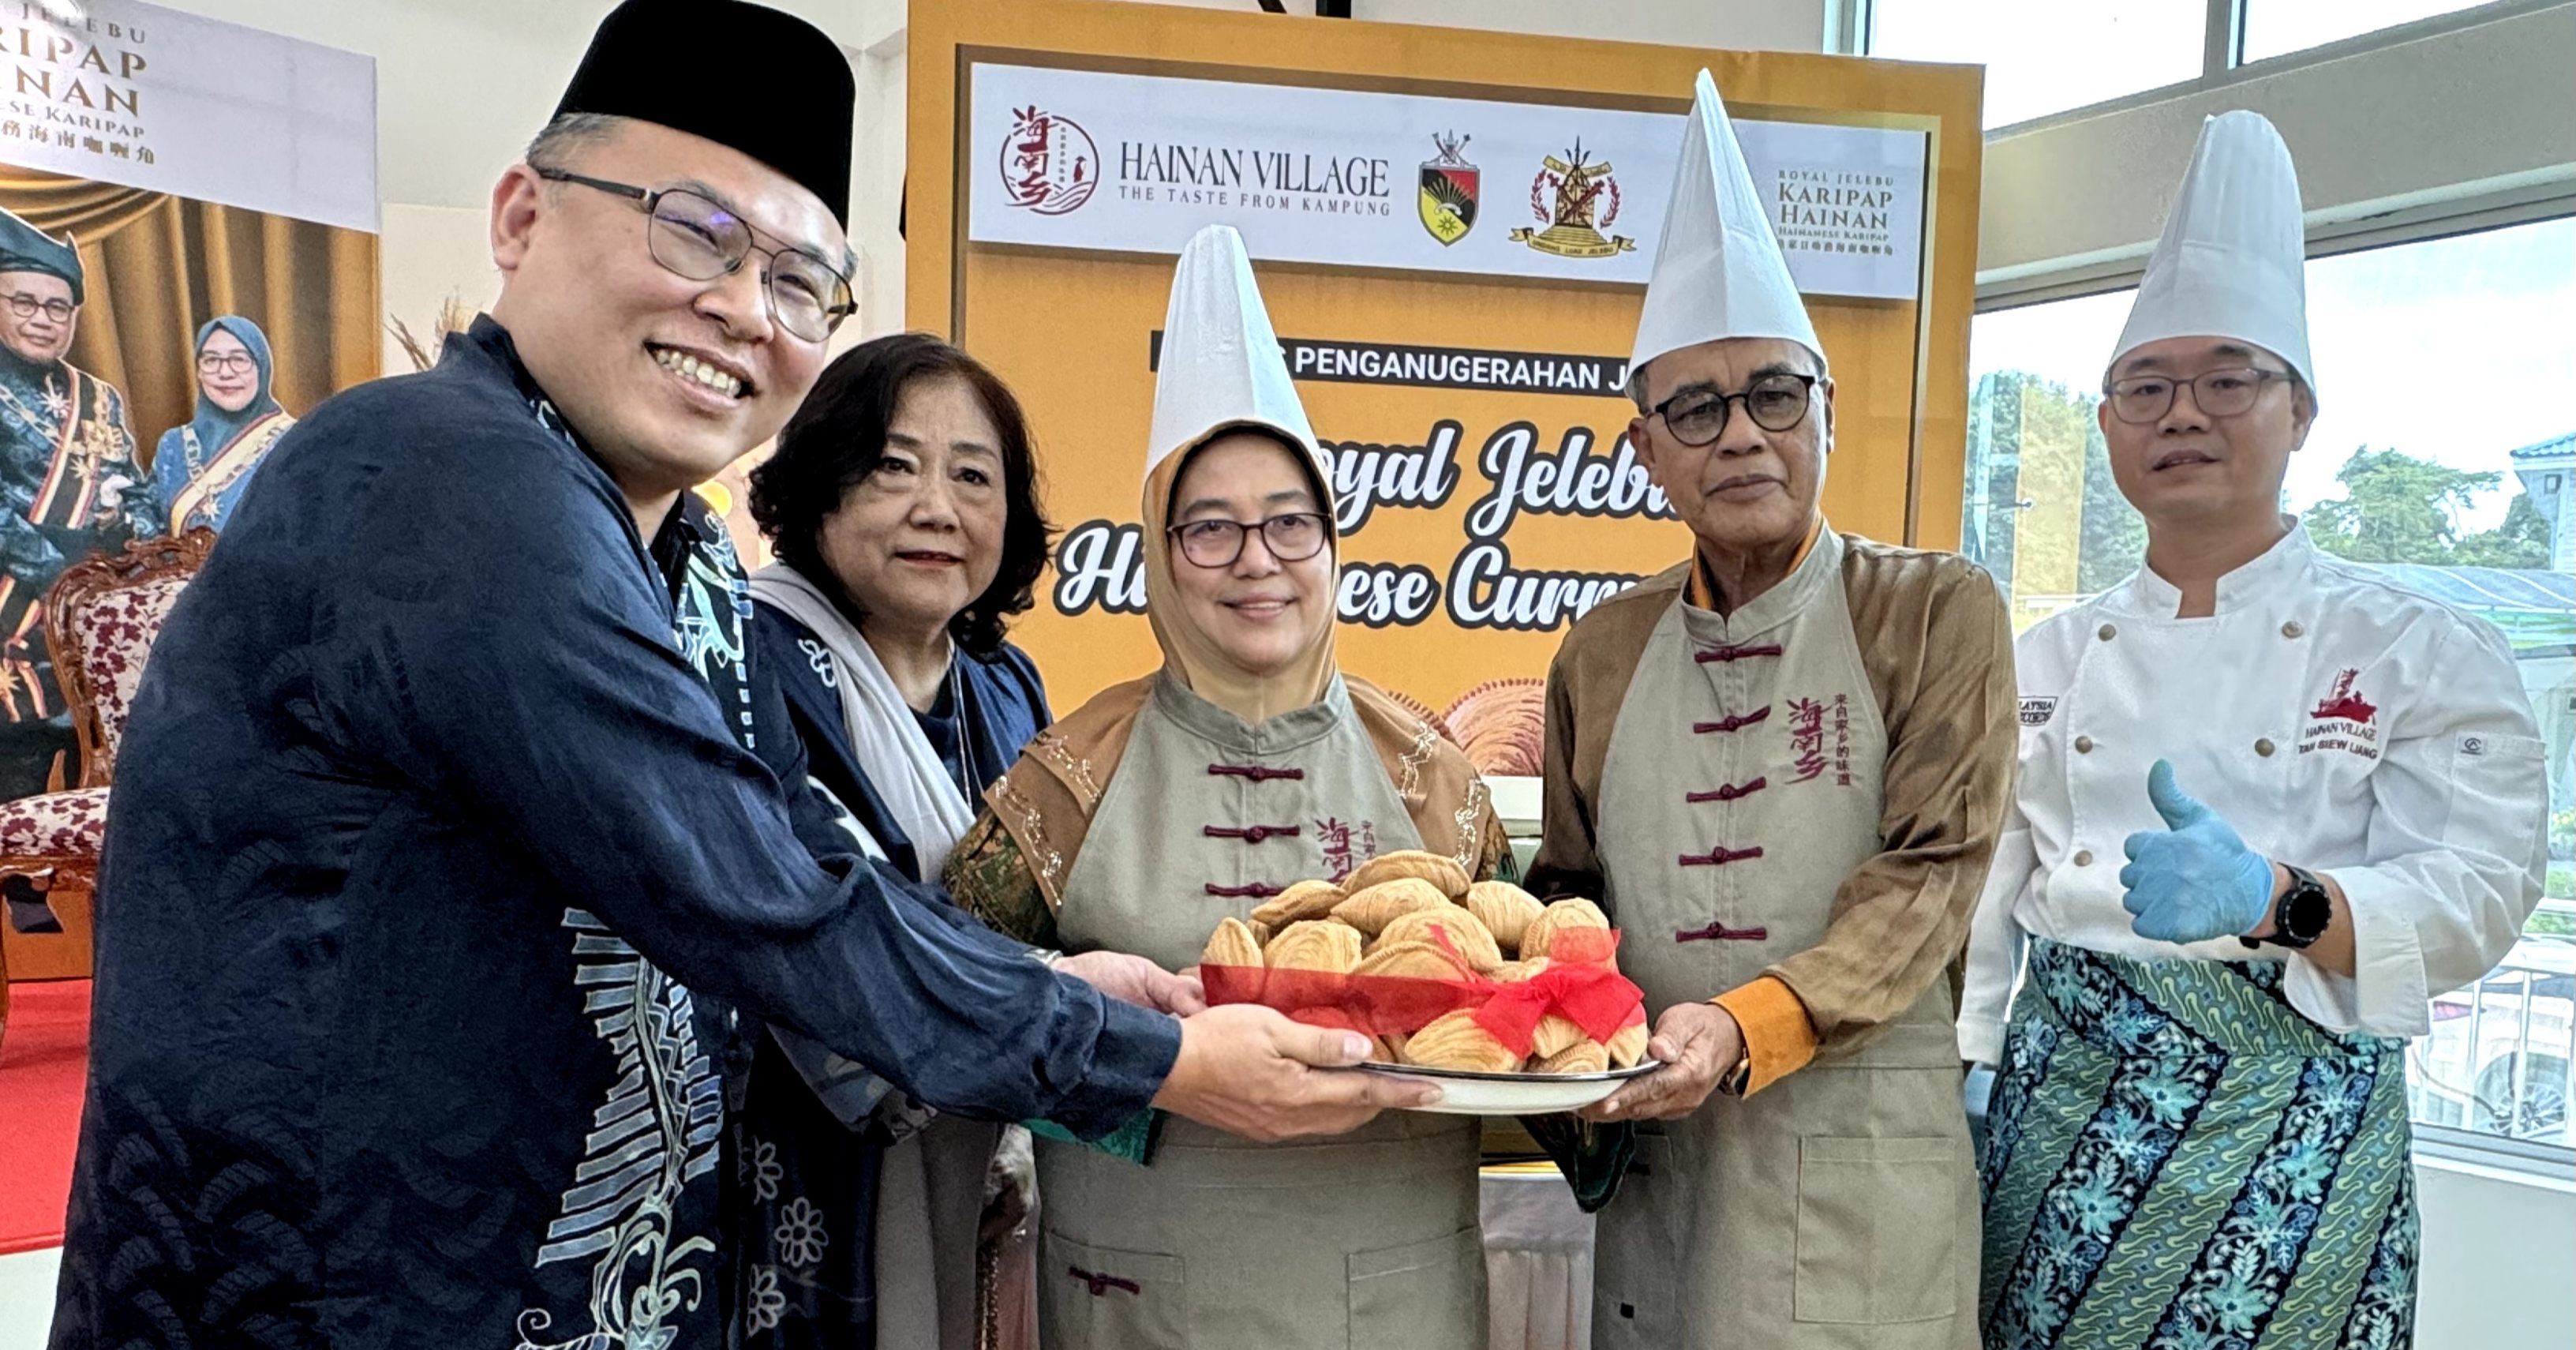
1582 982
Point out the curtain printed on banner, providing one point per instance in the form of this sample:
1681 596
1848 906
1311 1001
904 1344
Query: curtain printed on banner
1456 283
188 258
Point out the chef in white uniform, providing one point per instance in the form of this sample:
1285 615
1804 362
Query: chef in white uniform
2269 805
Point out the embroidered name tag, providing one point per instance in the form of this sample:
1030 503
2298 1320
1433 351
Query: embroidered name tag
2035 712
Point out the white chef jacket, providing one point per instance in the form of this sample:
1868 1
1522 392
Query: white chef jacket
2337 721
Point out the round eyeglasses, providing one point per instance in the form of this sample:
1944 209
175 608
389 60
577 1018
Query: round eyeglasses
25 306
2141 399
1293 537
700 238
1776 402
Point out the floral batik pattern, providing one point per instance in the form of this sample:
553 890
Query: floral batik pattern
2177 1160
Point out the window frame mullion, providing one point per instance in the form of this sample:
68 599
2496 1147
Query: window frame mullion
2222 40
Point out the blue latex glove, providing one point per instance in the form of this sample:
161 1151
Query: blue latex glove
2195 879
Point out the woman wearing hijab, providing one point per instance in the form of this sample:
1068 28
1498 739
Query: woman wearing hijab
201 468
902 504
1248 762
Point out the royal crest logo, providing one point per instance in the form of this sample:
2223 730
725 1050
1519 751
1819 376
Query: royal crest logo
1049 163
1578 199
1448 197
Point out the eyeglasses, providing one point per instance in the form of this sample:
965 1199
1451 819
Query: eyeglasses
1293 537
2141 399
225 363
1776 402
25 306
701 239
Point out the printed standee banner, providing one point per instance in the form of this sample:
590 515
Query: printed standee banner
188 260
1452 230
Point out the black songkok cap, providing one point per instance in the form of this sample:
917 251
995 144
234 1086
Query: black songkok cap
682 64
24 248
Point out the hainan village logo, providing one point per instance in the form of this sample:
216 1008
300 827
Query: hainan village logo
1049 164
2344 702
1569 194
1448 197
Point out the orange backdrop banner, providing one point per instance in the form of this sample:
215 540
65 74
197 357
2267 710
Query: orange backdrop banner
1457 299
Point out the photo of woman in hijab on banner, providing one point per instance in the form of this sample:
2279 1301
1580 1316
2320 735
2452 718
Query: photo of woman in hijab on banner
201 467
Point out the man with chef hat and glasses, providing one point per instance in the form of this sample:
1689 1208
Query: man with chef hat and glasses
2270 804
1781 766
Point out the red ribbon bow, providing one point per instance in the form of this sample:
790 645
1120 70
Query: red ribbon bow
1580 983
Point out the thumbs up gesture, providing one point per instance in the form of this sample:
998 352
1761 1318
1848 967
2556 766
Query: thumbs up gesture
2194 879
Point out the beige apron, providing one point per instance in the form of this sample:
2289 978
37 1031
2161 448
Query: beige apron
1360 1242
1838 1206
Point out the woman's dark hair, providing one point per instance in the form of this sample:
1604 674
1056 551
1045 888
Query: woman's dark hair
838 437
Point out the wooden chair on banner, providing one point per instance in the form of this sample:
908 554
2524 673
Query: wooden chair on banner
101 618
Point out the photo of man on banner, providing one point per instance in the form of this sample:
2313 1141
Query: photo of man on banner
69 485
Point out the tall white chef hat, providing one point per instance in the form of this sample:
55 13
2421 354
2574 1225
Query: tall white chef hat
2233 259
1220 365
1719 272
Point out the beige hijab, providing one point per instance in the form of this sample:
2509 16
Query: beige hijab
1193 658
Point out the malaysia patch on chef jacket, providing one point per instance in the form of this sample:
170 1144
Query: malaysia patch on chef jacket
2035 712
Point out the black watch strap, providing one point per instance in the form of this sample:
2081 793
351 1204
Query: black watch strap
2301 915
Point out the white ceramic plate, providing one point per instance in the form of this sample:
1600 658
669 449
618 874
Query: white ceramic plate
1468 1092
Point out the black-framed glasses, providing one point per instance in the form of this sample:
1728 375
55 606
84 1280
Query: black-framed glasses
702 239
2225 392
226 363
25 306
1293 537
1776 402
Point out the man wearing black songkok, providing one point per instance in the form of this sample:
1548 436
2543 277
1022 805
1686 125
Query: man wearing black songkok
438 858
68 488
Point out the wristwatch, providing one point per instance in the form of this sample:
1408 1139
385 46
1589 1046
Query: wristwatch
1740 1076
2301 915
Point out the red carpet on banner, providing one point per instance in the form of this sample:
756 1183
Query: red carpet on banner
44 1059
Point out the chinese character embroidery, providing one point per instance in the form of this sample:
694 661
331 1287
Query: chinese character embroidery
1807 737
1346 846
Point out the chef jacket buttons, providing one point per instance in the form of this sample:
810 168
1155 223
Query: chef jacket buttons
2292 629
2263 747
2106 632
2084 857
2084 745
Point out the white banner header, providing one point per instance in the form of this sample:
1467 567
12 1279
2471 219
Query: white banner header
147 97
1135 163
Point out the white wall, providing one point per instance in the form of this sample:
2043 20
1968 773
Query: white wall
2455 115
2499 1270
